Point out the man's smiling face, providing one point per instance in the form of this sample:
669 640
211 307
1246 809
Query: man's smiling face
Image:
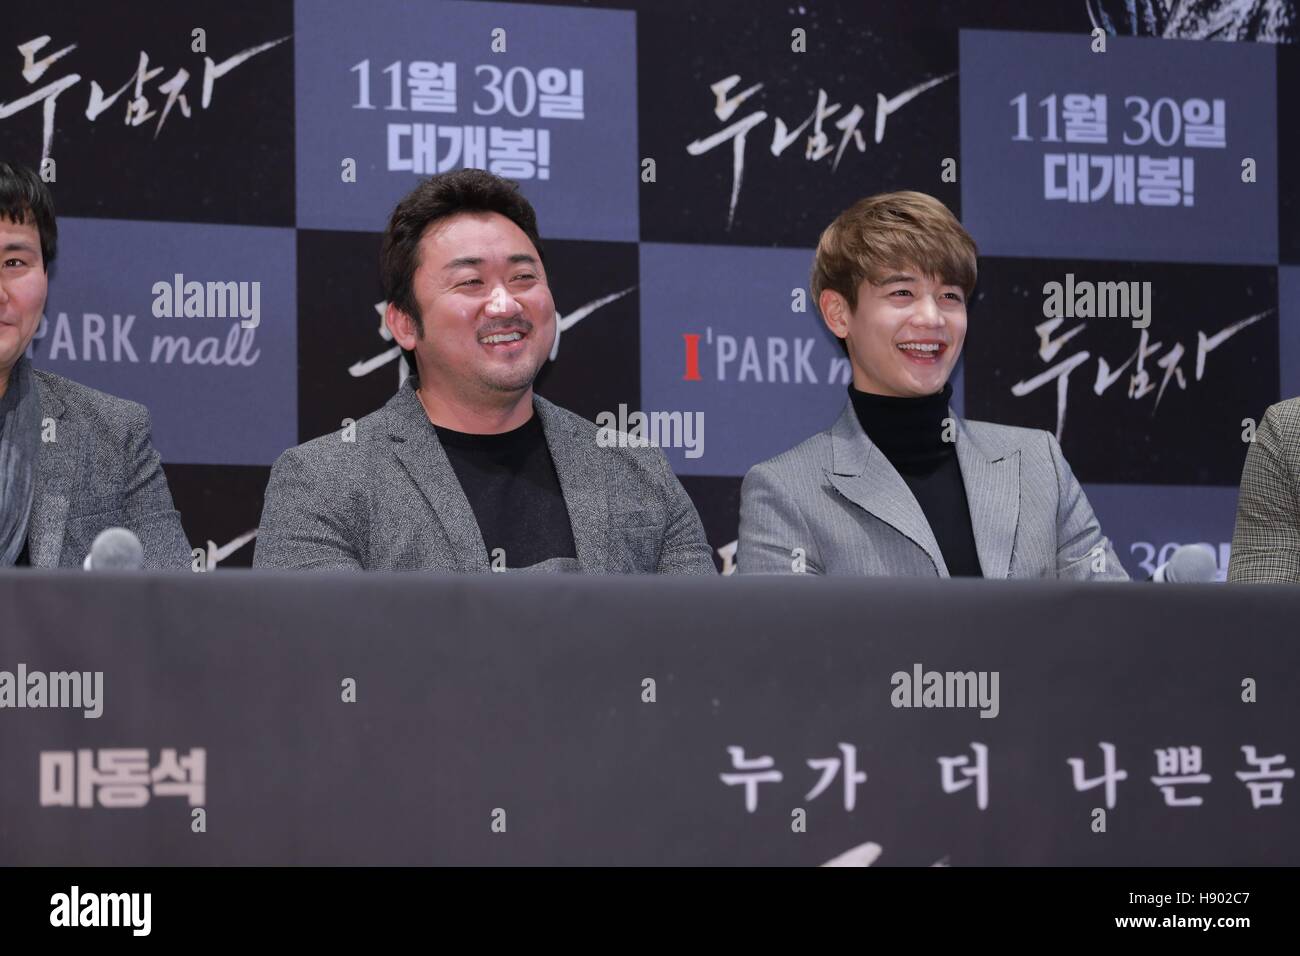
23 287
486 308
904 335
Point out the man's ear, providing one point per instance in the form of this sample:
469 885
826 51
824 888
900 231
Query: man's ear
405 331
835 312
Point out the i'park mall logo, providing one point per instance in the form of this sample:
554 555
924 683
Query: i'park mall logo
762 368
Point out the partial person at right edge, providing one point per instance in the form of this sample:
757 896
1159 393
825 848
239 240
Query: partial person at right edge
1266 539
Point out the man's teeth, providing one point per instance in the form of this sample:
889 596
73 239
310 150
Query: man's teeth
505 337
919 346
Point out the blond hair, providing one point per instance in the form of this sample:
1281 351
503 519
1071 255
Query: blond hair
886 233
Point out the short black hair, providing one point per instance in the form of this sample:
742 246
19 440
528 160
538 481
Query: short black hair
438 197
23 197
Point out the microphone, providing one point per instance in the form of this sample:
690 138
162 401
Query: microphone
1189 564
115 549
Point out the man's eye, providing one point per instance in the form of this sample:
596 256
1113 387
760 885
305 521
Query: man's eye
954 296
471 282
524 275
15 262
901 292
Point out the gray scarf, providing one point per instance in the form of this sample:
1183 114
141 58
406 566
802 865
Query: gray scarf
20 443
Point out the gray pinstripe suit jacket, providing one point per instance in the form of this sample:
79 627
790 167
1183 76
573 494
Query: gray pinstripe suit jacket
1266 540
838 498
390 501
100 471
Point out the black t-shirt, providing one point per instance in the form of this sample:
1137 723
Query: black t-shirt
512 487
909 431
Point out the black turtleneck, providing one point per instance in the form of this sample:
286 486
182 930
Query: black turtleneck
909 431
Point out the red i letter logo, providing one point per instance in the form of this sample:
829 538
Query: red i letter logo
692 358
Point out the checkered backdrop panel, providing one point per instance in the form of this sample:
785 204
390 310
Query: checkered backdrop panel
683 159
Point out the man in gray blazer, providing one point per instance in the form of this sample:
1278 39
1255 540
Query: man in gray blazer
899 485
1266 539
73 461
465 469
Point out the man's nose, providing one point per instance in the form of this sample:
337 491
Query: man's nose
502 302
927 311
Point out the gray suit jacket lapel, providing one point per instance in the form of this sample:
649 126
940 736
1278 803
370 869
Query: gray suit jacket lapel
992 479
864 475
416 446
57 469
582 482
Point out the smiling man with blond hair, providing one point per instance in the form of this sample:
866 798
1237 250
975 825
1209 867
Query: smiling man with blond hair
899 485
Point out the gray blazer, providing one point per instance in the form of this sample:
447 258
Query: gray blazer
837 497
390 501
1266 539
99 471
